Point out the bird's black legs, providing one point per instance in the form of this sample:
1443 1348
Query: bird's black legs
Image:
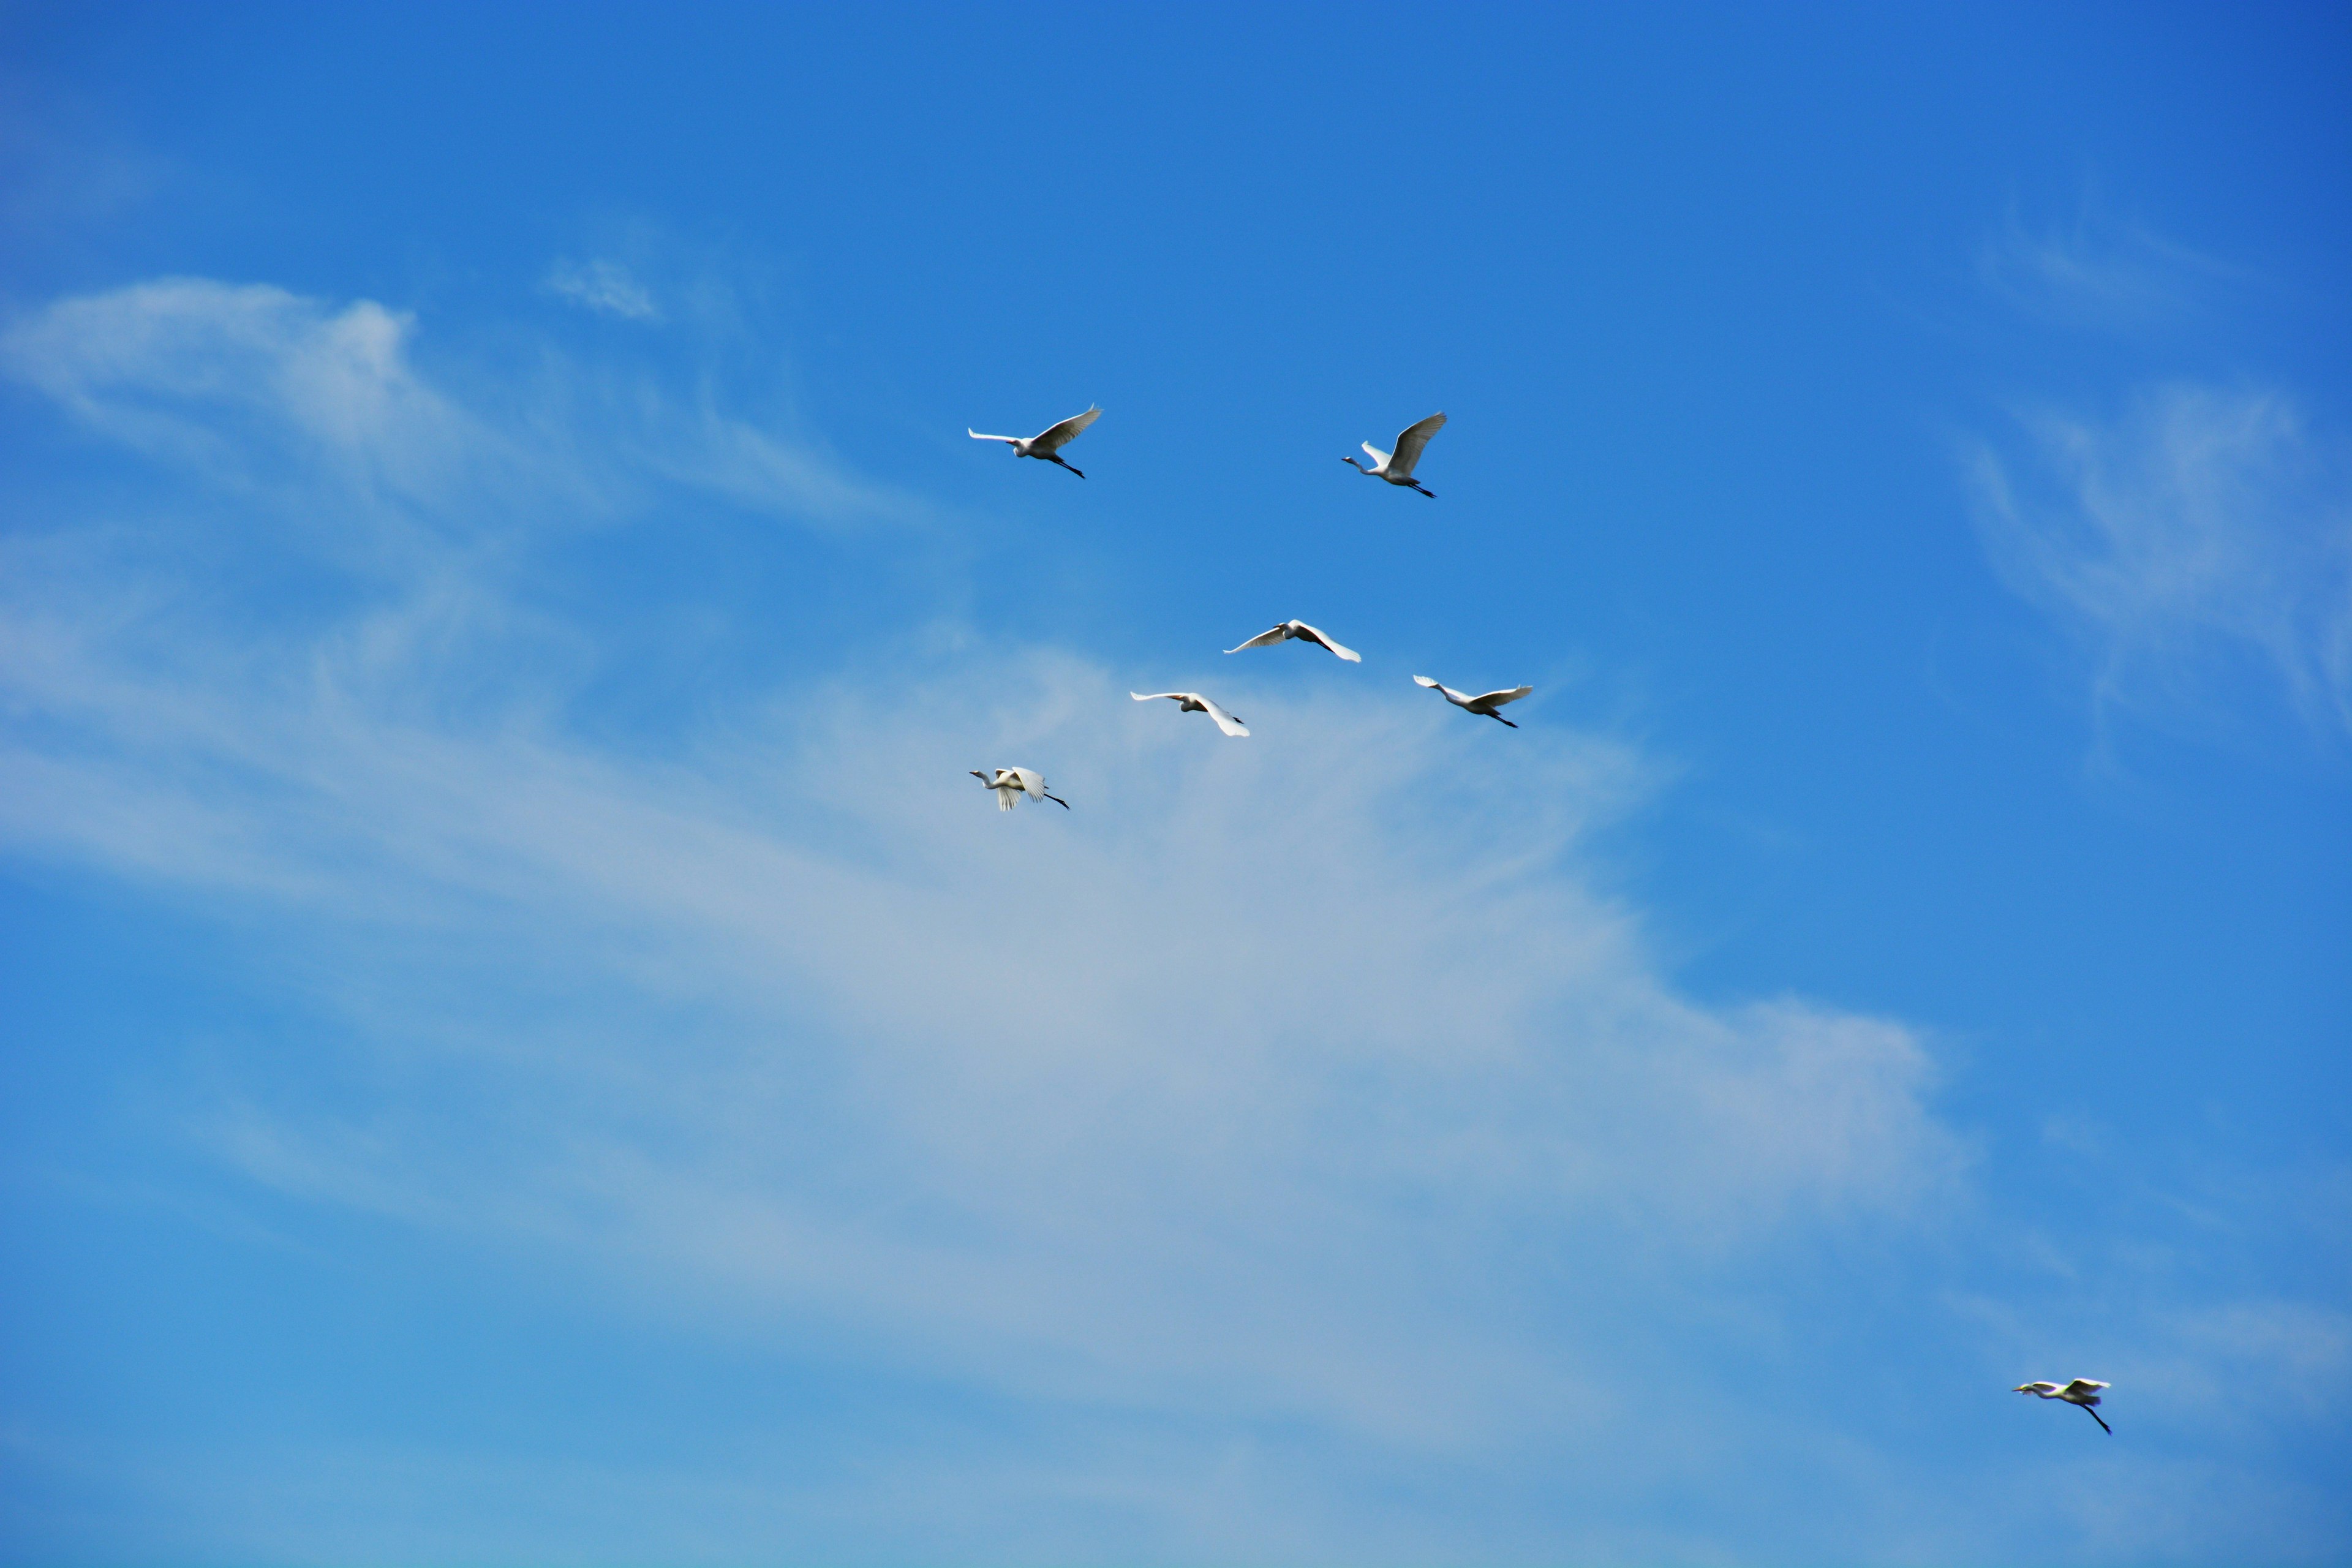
2100 1419
1080 474
1057 800
1498 718
1431 494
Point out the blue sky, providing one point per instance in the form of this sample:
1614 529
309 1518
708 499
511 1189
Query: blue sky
525 1045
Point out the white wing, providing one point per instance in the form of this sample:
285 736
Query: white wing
1008 440
1033 783
1379 457
1225 722
1411 440
2084 1385
1264 639
1497 699
1171 695
1311 634
1068 430
1451 695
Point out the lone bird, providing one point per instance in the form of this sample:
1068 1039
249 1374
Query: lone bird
1397 467
1194 702
1012 784
1048 447
2083 1391
1486 703
1304 633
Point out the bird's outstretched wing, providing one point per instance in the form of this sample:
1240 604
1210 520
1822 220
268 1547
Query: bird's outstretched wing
1067 431
1497 699
1156 696
1410 442
2084 1385
1008 440
1379 457
1435 686
1311 634
1264 639
1032 784
1225 722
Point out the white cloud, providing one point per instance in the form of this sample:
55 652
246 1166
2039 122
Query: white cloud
1214 1094
203 373
2203 528
605 287
322 414
2098 270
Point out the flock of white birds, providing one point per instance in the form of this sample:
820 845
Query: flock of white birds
1012 784
1396 467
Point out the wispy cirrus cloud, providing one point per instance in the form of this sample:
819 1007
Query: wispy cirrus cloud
605 286
251 387
2197 532
2098 270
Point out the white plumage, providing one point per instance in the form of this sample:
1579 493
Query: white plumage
1012 784
1485 702
1047 445
1194 702
1397 467
2083 1392
1304 633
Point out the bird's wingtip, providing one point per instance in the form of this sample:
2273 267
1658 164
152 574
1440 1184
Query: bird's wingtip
1423 680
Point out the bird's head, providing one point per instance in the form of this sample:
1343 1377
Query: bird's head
981 776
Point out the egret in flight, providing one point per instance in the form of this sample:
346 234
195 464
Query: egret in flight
1485 703
1048 447
2083 1391
1012 784
1397 467
1304 633
1194 702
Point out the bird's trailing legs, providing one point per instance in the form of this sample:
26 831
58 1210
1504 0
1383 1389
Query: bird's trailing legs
2097 1417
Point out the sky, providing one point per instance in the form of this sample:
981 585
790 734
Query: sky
525 1045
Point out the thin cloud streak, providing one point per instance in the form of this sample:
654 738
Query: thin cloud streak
602 286
2202 528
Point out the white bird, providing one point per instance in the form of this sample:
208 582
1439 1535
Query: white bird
1485 703
1304 633
1397 467
1194 702
2083 1391
1048 445
1011 784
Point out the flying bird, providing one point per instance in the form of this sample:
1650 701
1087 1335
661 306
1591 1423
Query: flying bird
1304 633
2083 1391
1486 703
1194 702
1397 467
1012 784
1048 447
